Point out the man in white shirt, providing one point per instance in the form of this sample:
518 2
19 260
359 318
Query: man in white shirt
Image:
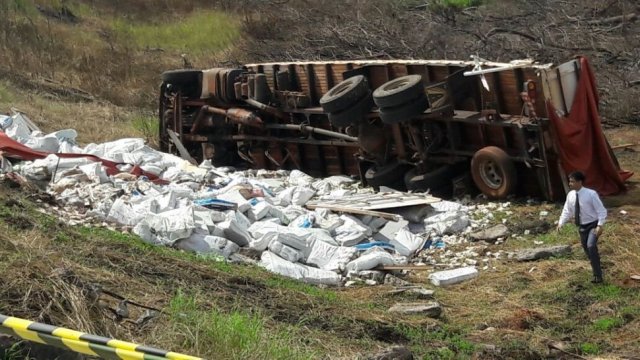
584 205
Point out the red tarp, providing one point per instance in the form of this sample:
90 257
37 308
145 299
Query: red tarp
14 149
582 144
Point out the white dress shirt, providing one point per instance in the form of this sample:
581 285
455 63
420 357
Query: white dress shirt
591 208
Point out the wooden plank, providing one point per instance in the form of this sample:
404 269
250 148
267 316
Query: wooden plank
349 210
181 149
403 267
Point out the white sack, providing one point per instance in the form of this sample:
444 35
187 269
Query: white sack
297 177
278 265
236 232
207 244
171 225
330 257
125 213
352 231
95 172
407 243
370 259
447 223
286 252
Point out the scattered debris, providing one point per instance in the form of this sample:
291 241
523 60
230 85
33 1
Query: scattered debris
328 231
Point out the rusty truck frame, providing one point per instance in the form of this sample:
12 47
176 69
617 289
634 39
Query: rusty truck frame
437 125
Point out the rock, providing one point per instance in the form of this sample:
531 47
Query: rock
375 275
430 309
490 234
421 292
393 353
395 281
543 253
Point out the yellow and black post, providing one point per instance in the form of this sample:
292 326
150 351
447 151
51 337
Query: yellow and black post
84 343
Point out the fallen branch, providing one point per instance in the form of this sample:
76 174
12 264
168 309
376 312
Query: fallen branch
614 19
623 146
555 347
540 41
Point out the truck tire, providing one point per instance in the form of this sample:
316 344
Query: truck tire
353 114
399 91
404 112
345 94
188 82
182 76
262 93
493 172
386 175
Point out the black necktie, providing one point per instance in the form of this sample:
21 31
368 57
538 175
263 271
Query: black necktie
577 212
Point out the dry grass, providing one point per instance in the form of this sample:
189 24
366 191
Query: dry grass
94 121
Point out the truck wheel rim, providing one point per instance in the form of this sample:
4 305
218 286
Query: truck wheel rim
396 84
491 175
342 88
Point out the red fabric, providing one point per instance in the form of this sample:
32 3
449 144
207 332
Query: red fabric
14 149
582 144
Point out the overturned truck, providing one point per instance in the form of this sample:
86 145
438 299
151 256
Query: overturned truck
443 126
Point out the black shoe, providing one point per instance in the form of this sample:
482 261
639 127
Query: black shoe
597 280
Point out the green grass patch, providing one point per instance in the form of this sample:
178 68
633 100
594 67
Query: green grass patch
588 348
23 7
567 235
279 282
6 94
236 335
456 344
630 312
607 324
148 126
204 31
459 4
607 292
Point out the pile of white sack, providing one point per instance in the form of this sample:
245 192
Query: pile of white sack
219 211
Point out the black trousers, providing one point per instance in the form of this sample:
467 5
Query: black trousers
589 242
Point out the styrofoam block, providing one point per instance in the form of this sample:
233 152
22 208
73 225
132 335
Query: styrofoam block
450 277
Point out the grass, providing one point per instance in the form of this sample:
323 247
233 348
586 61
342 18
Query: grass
6 94
201 32
461 3
13 352
237 335
148 126
607 324
97 122
280 282
589 348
